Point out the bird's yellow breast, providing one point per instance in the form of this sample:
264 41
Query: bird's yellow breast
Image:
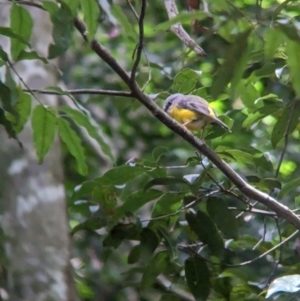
197 120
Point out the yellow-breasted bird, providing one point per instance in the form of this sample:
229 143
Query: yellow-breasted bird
192 111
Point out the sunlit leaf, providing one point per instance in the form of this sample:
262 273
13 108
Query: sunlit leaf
185 81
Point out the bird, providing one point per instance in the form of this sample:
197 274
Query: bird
192 112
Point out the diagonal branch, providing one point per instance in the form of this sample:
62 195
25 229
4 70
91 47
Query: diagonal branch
240 183
179 30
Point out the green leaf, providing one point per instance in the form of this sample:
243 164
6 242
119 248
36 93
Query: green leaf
149 242
3 55
31 55
223 217
43 122
62 20
73 143
165 182
8 32
6 99
92 224
293 50
23 107
158 152
92 128
206 231
136 200
134 254
126 26
185 81
288 284
289 187
198 277
22 24
7 125
73 5
169 203
91 12
291 112
273 39
235 61
156 266
106 197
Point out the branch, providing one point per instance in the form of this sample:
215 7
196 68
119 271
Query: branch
141 41
240 183
179 30
82 91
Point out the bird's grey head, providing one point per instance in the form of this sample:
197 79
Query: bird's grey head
170 101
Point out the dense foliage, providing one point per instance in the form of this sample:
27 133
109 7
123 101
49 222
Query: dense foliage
151 218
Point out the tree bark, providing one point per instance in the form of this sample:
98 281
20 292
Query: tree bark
34 216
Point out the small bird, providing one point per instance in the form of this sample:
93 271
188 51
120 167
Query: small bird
191 111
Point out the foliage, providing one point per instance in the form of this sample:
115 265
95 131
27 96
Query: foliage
160 220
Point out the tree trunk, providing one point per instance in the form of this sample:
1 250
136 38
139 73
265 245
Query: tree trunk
32 196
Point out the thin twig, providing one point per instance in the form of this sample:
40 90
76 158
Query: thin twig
179 30
139 48
133 10
266 253
82 91
286 138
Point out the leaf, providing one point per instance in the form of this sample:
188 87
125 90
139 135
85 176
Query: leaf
31 55
22 24
206 231
158 152
120 175
89 124
149 242
106 197
73 5
223 217
6 99
3 55
198 277
134 255
273 39
234 64
185 81
8 32
91 12
291 112
293 50
156 266
169 203
166 181
7 125
91 224
136 200
73 143
43 122
23 107
287 284
289 187
126 26
62 20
